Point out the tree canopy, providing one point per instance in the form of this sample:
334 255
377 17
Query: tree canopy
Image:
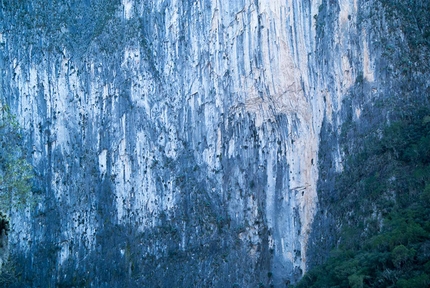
15 171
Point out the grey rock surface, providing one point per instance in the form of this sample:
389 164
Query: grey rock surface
177 143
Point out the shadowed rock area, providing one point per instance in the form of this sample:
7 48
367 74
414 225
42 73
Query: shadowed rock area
178 143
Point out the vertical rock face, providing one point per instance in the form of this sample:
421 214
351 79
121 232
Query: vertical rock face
372 71
176 142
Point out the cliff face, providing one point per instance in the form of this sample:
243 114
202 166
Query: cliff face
176 143
373 56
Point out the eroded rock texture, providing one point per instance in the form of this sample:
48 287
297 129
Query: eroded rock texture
176 142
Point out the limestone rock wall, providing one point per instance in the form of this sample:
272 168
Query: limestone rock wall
175 142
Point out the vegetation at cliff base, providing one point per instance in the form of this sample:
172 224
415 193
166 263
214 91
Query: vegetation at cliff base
15 190
384 212
15 171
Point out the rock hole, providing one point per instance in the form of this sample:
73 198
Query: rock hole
4 229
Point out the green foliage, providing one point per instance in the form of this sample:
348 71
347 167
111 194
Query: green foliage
355 281
15 192
401 255
421 280
15 172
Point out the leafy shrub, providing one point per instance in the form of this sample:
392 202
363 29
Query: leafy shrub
15 172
